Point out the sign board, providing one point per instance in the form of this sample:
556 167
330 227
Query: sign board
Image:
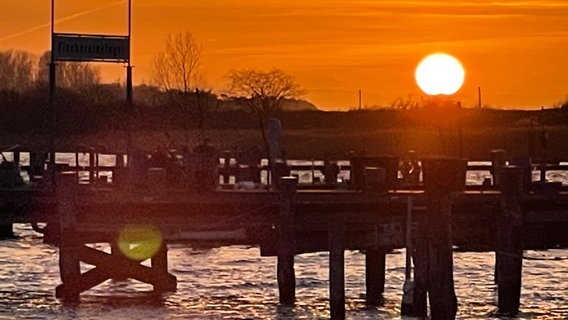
86 47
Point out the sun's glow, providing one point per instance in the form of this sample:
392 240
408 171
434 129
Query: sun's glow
440 74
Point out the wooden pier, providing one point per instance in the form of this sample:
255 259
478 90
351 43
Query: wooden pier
372 216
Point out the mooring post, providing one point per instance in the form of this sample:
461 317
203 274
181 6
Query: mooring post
69 264
442 177
286 242
375 260
509 255
497 162
420 256
498 158
406 306
337 266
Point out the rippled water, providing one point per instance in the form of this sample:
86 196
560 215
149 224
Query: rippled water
236 283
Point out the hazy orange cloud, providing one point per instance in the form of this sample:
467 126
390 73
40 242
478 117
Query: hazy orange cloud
513 50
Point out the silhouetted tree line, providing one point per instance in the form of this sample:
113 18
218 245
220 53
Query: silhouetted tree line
102 107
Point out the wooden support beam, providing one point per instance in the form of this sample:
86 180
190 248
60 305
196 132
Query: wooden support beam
406 306
509 255
337 268
108 266
442 177
115 251
85 282
286 242
160 266
124 267
375 260
421 271
69 264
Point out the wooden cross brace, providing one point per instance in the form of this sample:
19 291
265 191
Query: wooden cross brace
109 266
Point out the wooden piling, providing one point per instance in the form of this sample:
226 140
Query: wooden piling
421 269
286 242
69 264
497 161
160 265
375 260
442 177
406 307
337 267
509 254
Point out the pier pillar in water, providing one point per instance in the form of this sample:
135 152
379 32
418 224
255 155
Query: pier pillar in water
69 263
509 254
160 265
286 242
6 231
375 260
420 255
442 177
337 266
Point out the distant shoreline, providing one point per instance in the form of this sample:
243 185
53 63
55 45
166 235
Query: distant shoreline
467 133
477 143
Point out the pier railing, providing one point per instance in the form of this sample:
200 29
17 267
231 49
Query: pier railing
93 165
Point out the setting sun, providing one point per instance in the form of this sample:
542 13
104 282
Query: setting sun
440 73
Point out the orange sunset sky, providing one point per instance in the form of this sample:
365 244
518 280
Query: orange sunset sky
516 51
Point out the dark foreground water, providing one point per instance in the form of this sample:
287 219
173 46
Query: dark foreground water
236 283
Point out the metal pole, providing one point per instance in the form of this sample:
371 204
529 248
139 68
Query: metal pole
52 117
129 96
129 19
479 97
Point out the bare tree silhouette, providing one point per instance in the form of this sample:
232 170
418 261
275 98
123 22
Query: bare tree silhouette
17 70
72 75
175 70
263 93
